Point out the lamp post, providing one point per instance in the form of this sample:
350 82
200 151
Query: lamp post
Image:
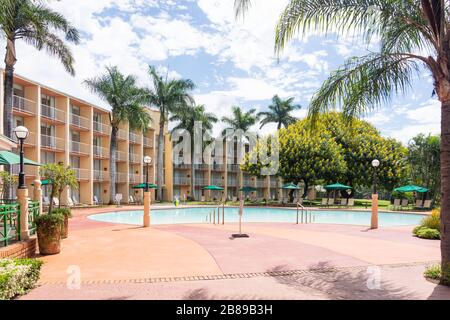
21 134
147 162
374 218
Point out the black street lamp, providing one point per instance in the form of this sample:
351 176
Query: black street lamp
375 165
147 161
21 134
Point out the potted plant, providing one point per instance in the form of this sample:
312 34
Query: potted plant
66 213
49 233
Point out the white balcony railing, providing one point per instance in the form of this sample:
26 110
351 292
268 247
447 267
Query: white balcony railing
79 121
218 167
217 182
121 156
121 177
201 182
24 105
232 182
182 181
101 128
101 175
134 178
52 113
134 158
79 148
148 142
101 152
51 142
81 174
134 138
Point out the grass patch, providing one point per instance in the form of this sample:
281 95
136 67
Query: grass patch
433 272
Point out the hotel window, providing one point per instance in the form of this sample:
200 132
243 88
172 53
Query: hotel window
18 121
97 165
75 162
48 130
97 117
75 110
48 100
48 157
19 90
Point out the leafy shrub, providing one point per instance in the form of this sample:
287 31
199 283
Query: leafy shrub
427 233
48 223
18 276
433 221
66 212
433 272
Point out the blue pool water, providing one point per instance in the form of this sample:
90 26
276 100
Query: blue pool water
199 215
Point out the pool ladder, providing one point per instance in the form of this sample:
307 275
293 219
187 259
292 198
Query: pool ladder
304 216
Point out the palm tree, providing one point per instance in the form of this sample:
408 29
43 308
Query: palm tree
280 112
187 117
126 100
413 35
167 95
240 120
34 23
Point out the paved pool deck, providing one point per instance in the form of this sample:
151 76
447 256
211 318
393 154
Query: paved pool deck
202 261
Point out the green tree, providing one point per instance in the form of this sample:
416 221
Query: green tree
61 177
240 120
187 117
127 102
167 95
279 112
39 26
8 180
412 34
424 160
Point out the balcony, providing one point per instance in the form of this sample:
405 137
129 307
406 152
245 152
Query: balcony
203 167
121 156
181 181
101 129
182 166
134 138
233 168
101 152
52 114
52 143
81 174
232 182
201 182
121 177
122 135
100 176
79 148
79 122
30 171
134 158
148 142
260 184
24 106
217 182
273 182
134 178
218 167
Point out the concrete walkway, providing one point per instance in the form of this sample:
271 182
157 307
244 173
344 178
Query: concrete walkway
278 261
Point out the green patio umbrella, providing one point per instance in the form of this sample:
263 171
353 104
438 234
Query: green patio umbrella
9 158
338 186
290 186
142 186
213 188
411 188
45 182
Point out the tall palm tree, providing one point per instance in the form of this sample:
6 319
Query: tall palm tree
241 120
280 112
187 117
413 35
127 101
39 26
167 95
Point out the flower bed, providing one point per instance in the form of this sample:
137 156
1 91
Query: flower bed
18 276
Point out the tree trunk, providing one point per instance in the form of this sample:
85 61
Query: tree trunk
112 164
160 160
445 189
305 192
10 61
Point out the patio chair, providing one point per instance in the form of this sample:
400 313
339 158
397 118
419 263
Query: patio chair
45 201
75 201
427 204
300 201
295 201
405 203
234 199
203 198
331 202
343 202
138 200
131 200
55 201
419 204
96 202
70 202
397 203
351 202
324 201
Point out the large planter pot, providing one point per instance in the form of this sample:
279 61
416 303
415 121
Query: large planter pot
49 233
65 228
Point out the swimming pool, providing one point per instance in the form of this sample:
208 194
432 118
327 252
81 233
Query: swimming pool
200 215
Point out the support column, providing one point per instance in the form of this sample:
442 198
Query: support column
147 203
37 194
22 199
374 218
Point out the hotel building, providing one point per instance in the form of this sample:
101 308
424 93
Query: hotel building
68 129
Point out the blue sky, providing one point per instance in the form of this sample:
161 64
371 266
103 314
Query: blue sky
231 61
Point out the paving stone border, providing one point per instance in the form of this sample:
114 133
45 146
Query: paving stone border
277 273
